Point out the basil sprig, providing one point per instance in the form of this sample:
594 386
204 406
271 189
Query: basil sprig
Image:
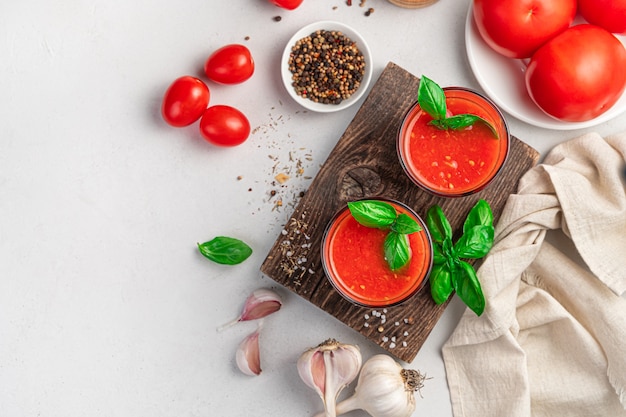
381 215
432 100
225 250
449 272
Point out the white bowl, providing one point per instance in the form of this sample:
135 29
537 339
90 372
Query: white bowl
503 80
361 45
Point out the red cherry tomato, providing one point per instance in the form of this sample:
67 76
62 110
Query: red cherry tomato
184 101
579 74
231 64
516 28
224 126
608 14
287 4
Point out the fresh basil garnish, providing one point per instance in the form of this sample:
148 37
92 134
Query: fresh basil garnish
225 250
397 250
432 100
450 273
381 215
373 213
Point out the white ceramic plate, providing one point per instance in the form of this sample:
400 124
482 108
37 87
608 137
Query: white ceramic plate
350 33
503 81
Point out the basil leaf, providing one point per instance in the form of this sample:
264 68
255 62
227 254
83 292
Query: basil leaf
461 121
225 250
468 288
440 283
479 215
475 242
431 98
405 224
397 250
373 213
438 225
439 257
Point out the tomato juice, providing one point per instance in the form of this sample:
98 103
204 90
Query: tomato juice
454 163
354 261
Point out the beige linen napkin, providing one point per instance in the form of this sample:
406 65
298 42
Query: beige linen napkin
552 339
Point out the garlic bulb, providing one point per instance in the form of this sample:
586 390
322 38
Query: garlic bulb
384 389
328 369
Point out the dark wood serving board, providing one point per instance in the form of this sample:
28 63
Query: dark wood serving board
364 164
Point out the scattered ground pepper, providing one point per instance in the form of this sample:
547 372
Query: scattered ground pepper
327 67
369 11
277 18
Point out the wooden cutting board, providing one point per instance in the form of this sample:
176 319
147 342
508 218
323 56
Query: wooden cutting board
364 164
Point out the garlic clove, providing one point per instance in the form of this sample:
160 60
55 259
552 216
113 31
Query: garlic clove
248 355
261 303
328 369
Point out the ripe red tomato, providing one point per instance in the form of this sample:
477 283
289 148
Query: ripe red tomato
608 14
516 28
579 74
224 126
185 101
287 4
231 64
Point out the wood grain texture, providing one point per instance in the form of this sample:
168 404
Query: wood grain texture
364 163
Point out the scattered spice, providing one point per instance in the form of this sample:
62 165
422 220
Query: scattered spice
282 178
392 336
247 38
369 11
295 248
327 67
277 18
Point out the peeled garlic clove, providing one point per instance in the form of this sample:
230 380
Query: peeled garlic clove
261 303
248 355
328 369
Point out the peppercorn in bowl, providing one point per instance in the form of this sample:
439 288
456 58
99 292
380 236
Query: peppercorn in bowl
326 66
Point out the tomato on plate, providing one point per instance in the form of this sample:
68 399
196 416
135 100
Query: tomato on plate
608 14
224 126
231 64
184 101
579 74
287 4
516 28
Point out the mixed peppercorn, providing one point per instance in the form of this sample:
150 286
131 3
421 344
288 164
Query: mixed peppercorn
327 67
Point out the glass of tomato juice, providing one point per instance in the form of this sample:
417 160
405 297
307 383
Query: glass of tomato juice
354 261
454 163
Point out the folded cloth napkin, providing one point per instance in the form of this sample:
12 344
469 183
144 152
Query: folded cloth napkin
552 339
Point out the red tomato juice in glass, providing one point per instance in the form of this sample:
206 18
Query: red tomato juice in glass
454 163
354 261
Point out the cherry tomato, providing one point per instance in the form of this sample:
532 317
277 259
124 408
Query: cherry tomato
184 101
231 64
224 126
516 28
608 14
287 4
579 74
